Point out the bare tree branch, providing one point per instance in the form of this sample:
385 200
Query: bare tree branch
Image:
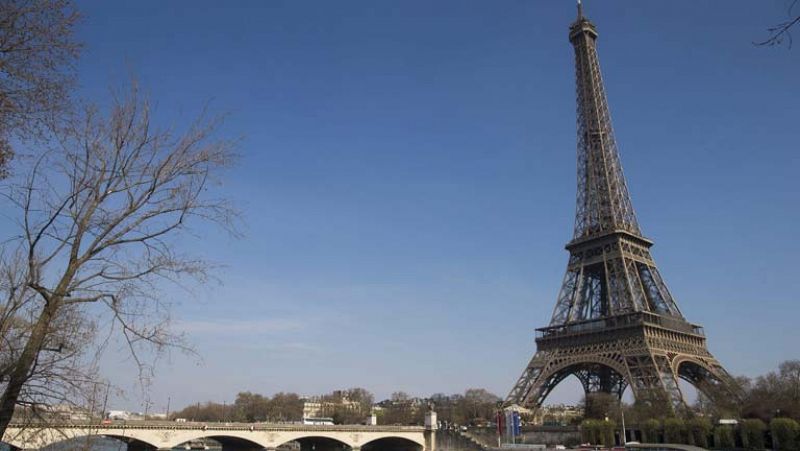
781 32
99 219
37 53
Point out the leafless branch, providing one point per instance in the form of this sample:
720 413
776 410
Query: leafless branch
37 53
781 32
99 219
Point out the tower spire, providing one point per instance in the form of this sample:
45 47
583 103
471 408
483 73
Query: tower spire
603 203
580 10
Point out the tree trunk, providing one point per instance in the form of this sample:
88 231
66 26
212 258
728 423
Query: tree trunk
22 370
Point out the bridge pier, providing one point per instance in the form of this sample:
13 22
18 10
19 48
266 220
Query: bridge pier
431 425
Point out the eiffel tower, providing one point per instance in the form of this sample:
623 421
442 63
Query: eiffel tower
615 323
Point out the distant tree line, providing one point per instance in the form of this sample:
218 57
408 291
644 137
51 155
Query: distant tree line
775 394
401 409
476 406
248 407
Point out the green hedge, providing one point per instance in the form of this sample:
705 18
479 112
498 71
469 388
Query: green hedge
784 433
650 430
723 437
752 433
589 430
674 431
598 432
698 431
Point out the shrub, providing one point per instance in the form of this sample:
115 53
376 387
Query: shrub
590 431
650 429
698 430
674 430
607 429
723 437
598 432
572 442
784 433
752 432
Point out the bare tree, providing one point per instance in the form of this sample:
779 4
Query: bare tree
781 32
61 375
37 50
99 216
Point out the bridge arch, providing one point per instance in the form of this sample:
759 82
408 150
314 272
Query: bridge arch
53 439
316 442
80 441
393 443
238 439
228 441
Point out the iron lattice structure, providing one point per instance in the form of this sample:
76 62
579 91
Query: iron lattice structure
615 323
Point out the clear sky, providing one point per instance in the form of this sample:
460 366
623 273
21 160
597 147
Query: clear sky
408 179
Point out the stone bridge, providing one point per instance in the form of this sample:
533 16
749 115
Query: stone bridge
149 436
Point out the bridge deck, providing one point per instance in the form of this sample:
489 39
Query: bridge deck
168 434
233 426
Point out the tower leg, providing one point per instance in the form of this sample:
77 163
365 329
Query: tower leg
713 381
652 380
535 383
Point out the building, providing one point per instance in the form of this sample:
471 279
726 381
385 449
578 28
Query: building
324 406
557 415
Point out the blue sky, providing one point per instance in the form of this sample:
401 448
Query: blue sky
407 179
